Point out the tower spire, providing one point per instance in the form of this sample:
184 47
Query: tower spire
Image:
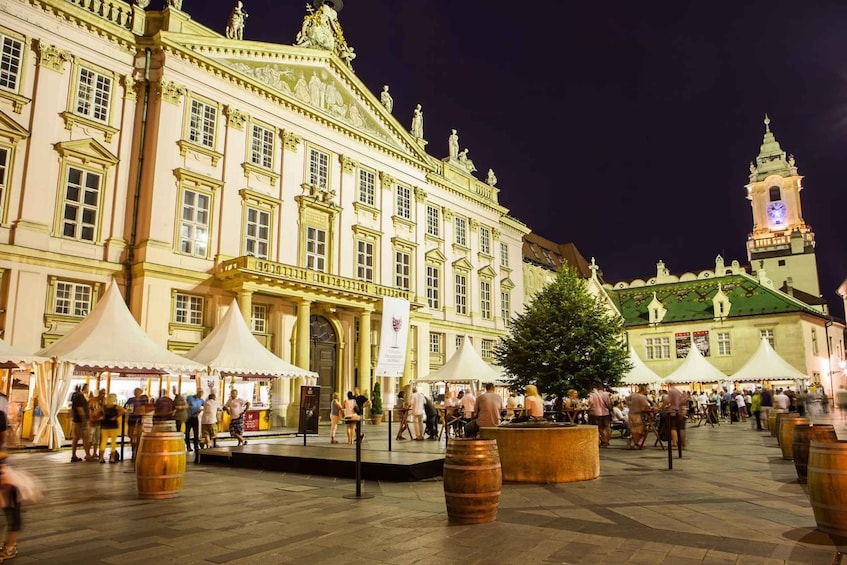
771 159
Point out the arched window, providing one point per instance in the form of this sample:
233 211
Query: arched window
775 194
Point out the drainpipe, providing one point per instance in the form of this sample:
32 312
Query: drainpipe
130 256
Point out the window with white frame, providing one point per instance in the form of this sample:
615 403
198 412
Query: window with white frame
485 299
433 221
365 260
485 240
814 341
506 307
461 294
257 236
93 95
72 299
657 347
404 202
4 171
259 319
262 146
435 342
724 343
188 309
202 123
768 334
461 228
367 187
486 349
504 254
81 204
194 225
402 270
316 249
318 168
11 53
433 286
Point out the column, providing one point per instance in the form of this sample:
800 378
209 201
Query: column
245 304
407 367
365 352
304 309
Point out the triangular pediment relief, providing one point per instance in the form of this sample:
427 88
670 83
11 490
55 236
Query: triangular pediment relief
87 151
312 79
487 272
507 284
462 264
11 130
434 255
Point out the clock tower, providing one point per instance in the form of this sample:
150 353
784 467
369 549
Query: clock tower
781 242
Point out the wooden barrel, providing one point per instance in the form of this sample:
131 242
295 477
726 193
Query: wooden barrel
772 420
828 485
472 481
779 417
160 464
786 434
803 434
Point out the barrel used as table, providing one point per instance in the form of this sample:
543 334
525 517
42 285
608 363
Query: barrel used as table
779 418
786 435
772 420
803 434
828 485
472 481
160 464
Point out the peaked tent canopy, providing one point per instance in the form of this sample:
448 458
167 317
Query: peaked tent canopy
231 350
11 357
109 339
695 369
766 364
640 374
465 366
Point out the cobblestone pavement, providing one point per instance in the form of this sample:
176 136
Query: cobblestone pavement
731 499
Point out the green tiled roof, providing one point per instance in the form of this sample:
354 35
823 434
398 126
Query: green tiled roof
692 300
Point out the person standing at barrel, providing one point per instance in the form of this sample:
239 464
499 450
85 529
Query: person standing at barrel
134 409
109 427
180 410
164 408
488 406
236 407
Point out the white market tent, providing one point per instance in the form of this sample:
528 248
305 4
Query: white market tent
11 357
640 374
465 366
695 369
766 364
108 339
232 350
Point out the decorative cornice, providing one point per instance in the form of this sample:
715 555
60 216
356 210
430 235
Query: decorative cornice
420 195
170 91
51 57
235 118
72 119
291 140
348 165
386 180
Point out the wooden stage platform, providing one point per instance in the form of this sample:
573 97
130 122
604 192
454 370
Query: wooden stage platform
377 465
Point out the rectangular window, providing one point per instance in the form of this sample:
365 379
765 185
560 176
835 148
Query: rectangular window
433 221
318 168
486 349
258 233
461 227
72 299
485 299
11 52
460 339
365 260
485 240
4 171
94 91
316 249
82 200
506 308
724 344
435 341
402 270
194 227
767 334
814 341
433 286
367 187
188 310
461 294
404 202
504 254
259 319
202 124
657 347
262 147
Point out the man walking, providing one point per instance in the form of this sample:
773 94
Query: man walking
192 423
600 413
81 432
418 410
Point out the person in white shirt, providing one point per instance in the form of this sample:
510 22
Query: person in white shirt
236 407
742 407
418 403
781 400
209 420
469 405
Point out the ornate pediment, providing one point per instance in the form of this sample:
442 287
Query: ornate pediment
86 151
462 264
435 255
487 272
11 130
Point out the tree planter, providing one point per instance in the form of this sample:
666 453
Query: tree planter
376 419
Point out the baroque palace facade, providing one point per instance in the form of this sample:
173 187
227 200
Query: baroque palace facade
196 168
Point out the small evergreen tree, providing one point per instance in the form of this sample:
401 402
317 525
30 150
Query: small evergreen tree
565 338
376 401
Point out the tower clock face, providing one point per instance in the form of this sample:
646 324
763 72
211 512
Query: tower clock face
777 212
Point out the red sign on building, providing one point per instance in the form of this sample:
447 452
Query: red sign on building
251 421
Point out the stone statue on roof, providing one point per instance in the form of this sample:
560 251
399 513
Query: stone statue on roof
453 145
417 122
491 179
466 161
386 99
235 24
174 4
321 30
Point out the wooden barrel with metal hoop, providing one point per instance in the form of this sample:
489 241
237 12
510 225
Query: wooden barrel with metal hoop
828 485
472 481
803 434
786 434
772 420
779 417
160 464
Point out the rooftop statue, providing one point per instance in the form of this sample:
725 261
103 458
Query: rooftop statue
386 99
174 4
321 30
453 145
142 3
235 24
492 178
417 122
466 161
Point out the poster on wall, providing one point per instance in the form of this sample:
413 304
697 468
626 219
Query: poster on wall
683 344
701 340
310 403
393 336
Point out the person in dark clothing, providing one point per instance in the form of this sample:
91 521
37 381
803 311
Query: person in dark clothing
431 419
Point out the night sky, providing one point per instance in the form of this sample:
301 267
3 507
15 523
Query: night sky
622 127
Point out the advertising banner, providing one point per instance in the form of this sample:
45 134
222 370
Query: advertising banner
701 340
310 403
393 337
251 421
683 344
